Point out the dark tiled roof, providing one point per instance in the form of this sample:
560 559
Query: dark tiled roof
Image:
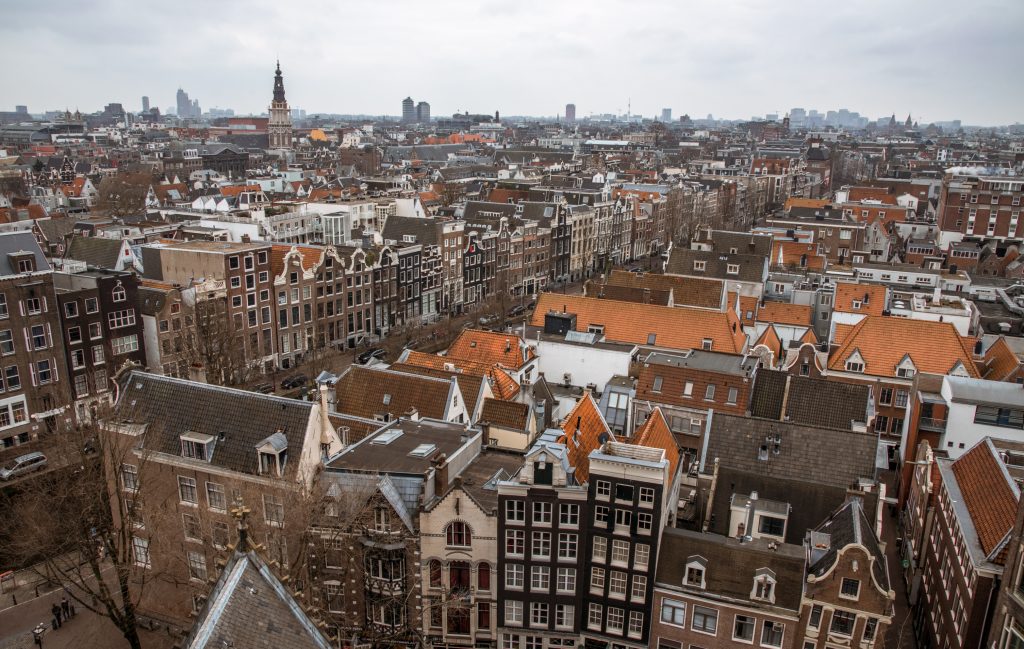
425 231
363 391
250 607
848 526
751 267
811 401
171 407
732 566
743 242
95 251
805 453
686 291
476 479
151 300
507 414
14 242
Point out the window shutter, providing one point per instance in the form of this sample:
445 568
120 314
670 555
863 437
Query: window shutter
32 370
53 369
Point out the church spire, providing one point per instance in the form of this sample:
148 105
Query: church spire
278 84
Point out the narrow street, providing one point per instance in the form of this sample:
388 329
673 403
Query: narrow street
901 633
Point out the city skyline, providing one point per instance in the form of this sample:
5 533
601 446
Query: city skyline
864 56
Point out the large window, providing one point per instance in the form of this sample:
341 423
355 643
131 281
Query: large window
567 546
566 582
514 575
140 550
513 612
215 496
187 490
515 542
12 411
771 634
673 612
705 620
743 629
1003 417
458 534
515 511
125 344
843 622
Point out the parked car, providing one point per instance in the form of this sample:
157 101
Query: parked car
295 381
370 354
487 319
516 311
263 388
22 465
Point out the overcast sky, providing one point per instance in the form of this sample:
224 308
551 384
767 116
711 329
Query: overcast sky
935 59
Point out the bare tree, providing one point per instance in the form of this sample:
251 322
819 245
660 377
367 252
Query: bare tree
449 193
123 194
64 531
214 345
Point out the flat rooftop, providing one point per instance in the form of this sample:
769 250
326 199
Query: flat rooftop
704 360
405 446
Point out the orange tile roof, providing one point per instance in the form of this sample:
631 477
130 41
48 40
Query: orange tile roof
988 494
797 253
630 322
655 433
871 194
846 293
309 256
809 337
582 431
840 332
770 339
793 201
492 348
235 190
748 303
502 385
1000 361
783 313
934 347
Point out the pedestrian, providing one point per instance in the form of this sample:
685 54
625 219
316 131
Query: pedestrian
64 607
55 609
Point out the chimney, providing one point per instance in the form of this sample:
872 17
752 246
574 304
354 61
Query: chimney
325 422
413 414
785 398
440 473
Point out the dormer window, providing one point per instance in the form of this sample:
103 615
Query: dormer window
197 446
273 454
732 269
906 369
764 585
699 266
855 362
696 566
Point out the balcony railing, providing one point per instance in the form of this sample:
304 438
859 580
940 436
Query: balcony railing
932 423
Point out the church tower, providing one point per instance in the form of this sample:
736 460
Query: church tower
279 129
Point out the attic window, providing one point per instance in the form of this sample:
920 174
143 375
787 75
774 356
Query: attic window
856 304
732 269
694 574
706 344
699 265
387 399
651 338
197 446
906 372
764 586
273 454
854 366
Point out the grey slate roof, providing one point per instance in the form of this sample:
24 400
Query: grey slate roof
811 472
805 453
731 566
15 242
250 607
94 251
151 300
172 406
426 231
850 525
811 401
752 268
745 243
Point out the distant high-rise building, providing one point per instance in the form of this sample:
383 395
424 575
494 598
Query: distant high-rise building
21 110
196 111
797 115
408 111
666 115
422 112
279 128
184 104
570 112
145 104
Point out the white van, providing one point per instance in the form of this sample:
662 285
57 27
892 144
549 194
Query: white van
22 465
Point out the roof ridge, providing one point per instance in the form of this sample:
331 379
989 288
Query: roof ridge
222 388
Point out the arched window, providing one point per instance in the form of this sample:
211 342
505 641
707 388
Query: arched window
459 535
483 576
435 573
118 294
